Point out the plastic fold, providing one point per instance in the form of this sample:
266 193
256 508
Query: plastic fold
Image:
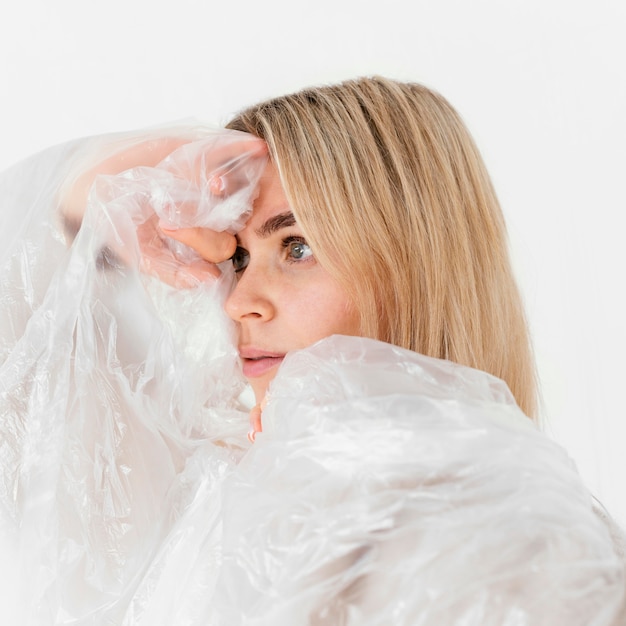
385 488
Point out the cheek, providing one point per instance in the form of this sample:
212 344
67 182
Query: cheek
321 310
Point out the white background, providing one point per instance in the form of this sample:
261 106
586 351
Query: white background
540 83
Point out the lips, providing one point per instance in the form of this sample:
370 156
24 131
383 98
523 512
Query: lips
256 362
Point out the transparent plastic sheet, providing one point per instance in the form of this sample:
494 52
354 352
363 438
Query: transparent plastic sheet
386 487
110 376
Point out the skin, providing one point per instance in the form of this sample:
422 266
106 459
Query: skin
284 299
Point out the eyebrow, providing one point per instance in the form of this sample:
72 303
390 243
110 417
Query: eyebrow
282 220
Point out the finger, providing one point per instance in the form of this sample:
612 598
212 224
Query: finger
226 162
211 245
149 152
158 259
255 423
179 275
227 152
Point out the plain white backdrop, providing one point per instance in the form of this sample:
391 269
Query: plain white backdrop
540 83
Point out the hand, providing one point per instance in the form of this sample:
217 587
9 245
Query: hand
118 155
212 247
187 184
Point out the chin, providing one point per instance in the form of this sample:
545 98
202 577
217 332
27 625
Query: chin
259 387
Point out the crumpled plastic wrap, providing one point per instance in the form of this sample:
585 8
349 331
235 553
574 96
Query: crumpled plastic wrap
385 488
109 376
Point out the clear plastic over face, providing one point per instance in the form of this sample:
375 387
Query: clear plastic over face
282 300
112 367
191 178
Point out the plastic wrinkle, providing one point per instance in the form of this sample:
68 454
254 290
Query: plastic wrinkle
385 487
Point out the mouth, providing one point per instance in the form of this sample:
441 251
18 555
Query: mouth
256 362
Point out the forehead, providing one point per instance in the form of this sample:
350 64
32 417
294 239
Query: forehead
271 200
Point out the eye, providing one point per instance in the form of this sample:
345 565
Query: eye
240 259
297 249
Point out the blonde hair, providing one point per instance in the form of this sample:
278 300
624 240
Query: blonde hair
393 196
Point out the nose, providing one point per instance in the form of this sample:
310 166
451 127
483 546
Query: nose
250 299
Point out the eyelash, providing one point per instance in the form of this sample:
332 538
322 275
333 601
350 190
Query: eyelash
242 256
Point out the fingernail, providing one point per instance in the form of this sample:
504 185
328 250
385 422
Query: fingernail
255 423
216 185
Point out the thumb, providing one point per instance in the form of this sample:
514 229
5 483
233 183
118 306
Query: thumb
211 245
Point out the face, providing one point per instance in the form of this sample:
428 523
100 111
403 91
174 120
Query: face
284 300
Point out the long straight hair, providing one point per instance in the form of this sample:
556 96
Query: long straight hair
392 194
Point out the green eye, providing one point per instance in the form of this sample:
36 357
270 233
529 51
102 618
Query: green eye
240 259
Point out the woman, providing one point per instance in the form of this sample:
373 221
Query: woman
422 253
388 486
